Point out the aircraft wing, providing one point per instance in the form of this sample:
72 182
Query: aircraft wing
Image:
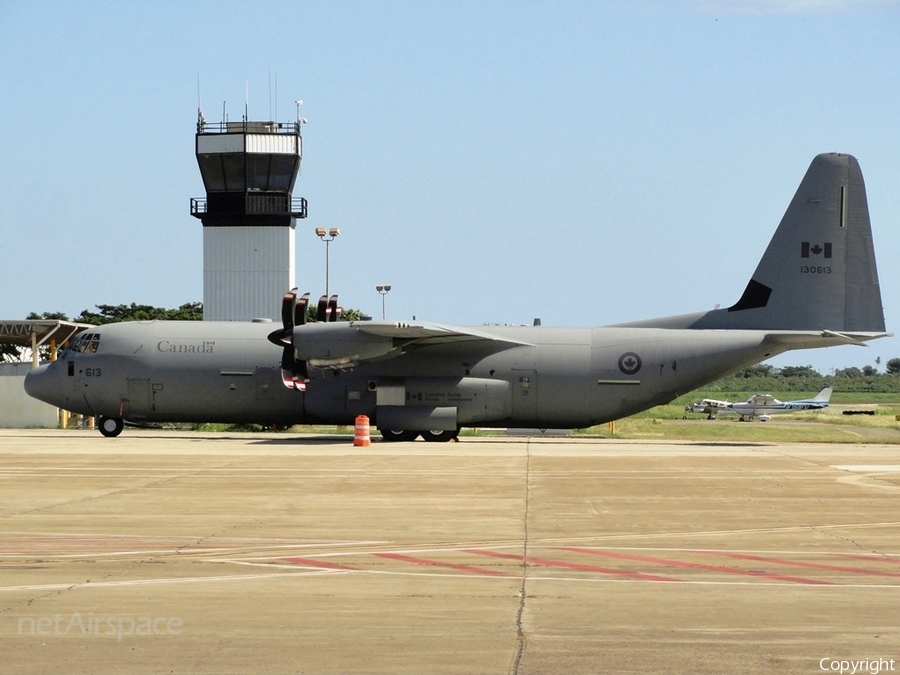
429 333
344 345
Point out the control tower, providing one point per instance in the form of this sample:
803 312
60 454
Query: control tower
248 215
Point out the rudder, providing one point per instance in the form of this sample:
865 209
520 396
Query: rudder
819 271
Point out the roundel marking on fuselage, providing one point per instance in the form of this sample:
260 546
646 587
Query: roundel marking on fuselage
629 363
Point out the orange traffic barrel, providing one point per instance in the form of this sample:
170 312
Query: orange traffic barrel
361 434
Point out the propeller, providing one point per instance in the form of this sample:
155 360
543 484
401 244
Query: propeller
327 309
334 312
294 311
294 373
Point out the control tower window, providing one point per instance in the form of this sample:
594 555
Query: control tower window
284 169
211 170
258 172
234 172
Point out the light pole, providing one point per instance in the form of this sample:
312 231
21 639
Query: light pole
383 289
332 235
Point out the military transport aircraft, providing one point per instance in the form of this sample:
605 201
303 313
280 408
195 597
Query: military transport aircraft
761 406
816 286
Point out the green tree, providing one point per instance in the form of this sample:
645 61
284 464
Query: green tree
799 371
759 370
351 315
347 314
52 316
191 311
893 366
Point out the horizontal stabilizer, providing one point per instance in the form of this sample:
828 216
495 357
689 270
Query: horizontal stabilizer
825 338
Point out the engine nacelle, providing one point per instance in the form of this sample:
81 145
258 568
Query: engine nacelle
337 345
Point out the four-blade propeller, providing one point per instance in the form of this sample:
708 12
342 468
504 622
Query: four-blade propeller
294 311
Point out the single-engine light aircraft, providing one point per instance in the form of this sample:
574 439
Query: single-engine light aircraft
761 406
816 286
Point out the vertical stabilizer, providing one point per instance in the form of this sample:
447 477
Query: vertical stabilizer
818 272
823 396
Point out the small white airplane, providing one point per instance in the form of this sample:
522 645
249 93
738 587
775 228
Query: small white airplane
762 406
710 406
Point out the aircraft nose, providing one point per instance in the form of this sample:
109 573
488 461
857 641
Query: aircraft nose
43 384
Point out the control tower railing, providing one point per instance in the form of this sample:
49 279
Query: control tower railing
259 204
247 127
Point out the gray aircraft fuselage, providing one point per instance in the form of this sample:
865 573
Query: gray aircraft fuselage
815 286
228 371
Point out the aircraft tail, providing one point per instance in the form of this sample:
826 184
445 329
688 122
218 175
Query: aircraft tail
818 272
823 396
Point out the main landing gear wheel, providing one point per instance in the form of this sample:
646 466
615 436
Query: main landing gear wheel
392 436
110 426
440 436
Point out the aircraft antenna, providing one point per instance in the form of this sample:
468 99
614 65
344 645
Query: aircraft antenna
201 121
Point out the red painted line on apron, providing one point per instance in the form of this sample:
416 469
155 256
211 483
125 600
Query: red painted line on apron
697 566
438 563
575 566
800 563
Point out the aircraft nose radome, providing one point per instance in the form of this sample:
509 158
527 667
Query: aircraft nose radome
42 383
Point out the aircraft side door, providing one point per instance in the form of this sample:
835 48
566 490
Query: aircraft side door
524 393
74 384
137 405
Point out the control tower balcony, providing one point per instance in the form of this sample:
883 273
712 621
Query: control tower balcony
248 204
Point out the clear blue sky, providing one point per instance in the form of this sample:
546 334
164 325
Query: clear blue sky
583 162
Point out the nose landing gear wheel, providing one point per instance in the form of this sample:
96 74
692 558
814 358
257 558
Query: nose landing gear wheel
110 426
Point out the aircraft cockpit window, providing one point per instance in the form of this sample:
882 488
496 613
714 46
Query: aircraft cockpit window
86 343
